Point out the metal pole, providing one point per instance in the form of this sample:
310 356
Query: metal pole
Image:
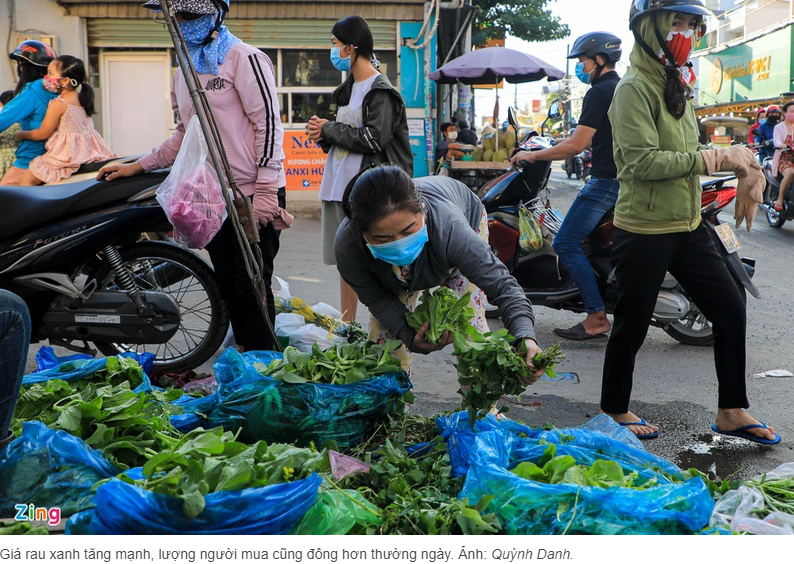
245 226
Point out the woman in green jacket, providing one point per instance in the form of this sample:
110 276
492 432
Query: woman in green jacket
657 215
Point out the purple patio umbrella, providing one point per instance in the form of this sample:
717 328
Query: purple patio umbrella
492 64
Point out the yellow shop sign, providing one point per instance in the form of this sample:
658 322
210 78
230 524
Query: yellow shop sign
757 67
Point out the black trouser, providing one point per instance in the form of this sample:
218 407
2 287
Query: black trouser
250 329
641 262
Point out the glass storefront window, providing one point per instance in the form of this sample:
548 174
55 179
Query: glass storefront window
308 68
305 106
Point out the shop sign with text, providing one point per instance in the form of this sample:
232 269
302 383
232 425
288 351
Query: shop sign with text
304 161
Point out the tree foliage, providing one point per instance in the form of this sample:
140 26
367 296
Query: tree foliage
525 19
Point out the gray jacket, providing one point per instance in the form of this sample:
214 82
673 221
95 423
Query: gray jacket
453 214
384 137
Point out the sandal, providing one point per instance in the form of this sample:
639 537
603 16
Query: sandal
778 207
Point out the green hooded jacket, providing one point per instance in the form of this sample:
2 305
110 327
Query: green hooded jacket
655 153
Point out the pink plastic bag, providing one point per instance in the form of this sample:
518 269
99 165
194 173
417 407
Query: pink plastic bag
191 194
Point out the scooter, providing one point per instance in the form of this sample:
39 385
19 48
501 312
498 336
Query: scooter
773 217
74 253
544 278
574 166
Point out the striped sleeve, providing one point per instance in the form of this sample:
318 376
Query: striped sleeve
256 84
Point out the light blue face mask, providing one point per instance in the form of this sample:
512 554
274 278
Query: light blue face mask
338 62
762 121
402 251
580 74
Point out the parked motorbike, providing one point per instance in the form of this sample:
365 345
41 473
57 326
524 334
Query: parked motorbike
74 253
773 217
574 166
547 283
587 163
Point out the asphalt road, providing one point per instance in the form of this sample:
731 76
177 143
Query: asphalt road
675 385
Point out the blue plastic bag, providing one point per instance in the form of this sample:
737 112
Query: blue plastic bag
265 409
530 507
49 469
77 366
124 509
599 438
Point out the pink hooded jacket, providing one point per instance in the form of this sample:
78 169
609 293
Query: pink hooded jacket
245 105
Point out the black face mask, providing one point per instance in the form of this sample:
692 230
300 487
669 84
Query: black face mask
773 119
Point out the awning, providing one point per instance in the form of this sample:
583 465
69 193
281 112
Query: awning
745 108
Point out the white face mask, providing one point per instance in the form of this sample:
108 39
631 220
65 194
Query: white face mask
452 135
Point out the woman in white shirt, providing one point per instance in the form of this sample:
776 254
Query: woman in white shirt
370 128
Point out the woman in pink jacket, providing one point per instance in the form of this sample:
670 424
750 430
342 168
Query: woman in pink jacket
241 89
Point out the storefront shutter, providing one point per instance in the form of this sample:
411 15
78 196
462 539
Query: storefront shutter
263 33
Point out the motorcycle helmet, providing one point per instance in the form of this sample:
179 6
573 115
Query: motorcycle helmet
193 6
642 7
597 43
33 52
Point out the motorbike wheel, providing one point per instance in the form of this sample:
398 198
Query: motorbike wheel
694 328
204 318
773 218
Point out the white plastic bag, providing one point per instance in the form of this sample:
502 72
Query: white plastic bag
191 194
736 510
303 335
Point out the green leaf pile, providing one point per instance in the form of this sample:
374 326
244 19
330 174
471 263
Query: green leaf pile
204 462
445 312
105 412
553 469
417 494
490 367
340 364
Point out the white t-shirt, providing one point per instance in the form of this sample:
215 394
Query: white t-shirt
340 165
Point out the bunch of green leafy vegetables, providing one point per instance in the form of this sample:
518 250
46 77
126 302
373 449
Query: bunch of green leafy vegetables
489 367
553 469
417 494
444 311
346 363
22 528
204 462
107 414
777 495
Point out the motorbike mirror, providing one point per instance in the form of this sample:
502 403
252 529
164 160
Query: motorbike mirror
554 110
511 119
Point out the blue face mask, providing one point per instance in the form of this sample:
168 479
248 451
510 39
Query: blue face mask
338 62
402 251
580 74
762 121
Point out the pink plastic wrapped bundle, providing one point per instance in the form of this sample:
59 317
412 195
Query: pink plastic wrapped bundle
191 193
197 209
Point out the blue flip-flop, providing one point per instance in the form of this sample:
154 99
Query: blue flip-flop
641 436
743 433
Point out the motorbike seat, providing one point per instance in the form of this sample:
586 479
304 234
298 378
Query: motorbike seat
28 206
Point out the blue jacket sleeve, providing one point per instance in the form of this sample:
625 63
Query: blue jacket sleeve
16 110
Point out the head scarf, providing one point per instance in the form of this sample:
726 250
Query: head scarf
206 58
647 30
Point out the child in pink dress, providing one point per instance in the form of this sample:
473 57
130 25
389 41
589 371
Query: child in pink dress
72 140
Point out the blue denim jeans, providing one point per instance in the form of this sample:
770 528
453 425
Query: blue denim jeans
14 342
596 198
